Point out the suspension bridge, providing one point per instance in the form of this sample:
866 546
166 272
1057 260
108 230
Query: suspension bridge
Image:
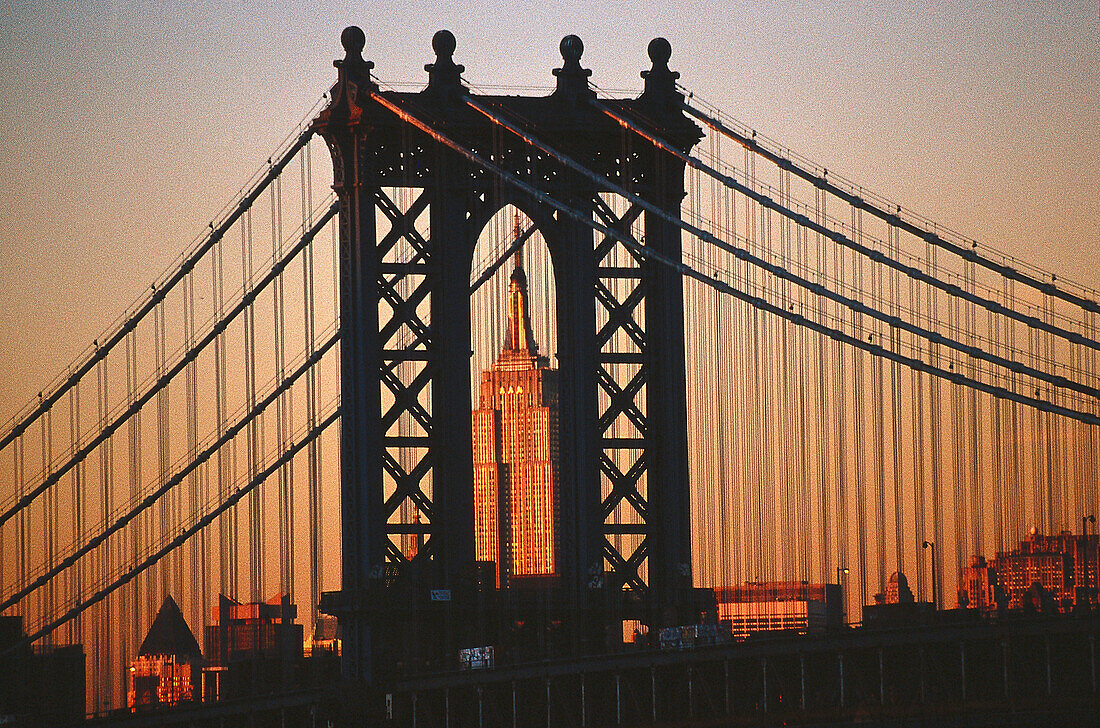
767 374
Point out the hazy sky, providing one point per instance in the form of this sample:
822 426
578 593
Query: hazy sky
127 126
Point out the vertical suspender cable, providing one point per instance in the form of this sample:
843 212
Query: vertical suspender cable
1017 477
804 474
1041 482
313 452
226 582
823 429
896 425
790 504
1059 520
252 454
770 449
75 580
164 507
861 449
19 467
935 435
976 451
112 551
49 512
998 465
878 433
134 474
957 448
1089 469
101 566
843 439
284 405
917 422
197 561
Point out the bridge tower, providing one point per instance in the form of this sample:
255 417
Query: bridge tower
411 211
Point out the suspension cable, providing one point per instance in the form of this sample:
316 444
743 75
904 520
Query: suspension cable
894 219
853 244
136 405
169 484
179 540
781 272
160 292
755 301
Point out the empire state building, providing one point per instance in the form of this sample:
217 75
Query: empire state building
516 478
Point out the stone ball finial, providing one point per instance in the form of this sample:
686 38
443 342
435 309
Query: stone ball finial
660 50
572 79
444 43
660 82
353 39
444 76
571 49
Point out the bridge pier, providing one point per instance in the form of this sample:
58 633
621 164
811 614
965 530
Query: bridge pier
840 664
618 700
1092 661
881 679
801 681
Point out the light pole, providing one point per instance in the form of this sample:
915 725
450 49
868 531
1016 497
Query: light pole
840 572
932 545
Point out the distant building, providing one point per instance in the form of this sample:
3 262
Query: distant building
897 591
779 605
515 454
326 637
168 665
1064 568
896 606
43 686
252 648
978 588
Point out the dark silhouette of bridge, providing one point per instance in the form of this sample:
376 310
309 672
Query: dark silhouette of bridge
766 373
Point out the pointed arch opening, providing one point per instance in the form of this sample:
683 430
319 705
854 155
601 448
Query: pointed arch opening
514 378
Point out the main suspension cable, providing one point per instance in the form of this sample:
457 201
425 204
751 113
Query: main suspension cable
779 271
170 483
755 301
162 381
161 291
179 540
891 218
849 242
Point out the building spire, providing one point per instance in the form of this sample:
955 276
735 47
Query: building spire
518 258
518 337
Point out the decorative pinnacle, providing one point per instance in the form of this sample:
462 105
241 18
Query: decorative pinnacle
660 50
572 79
660 82
353 39
444 74
516 232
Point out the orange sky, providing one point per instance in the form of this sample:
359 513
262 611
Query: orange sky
128 126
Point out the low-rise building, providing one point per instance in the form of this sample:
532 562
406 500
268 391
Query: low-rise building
1063 566
252 648
779 606
168 665
41 686
978 587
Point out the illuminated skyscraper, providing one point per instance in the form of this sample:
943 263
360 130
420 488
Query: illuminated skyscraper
516 477
168 665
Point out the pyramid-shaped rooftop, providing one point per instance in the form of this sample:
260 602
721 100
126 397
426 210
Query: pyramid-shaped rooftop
169 634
